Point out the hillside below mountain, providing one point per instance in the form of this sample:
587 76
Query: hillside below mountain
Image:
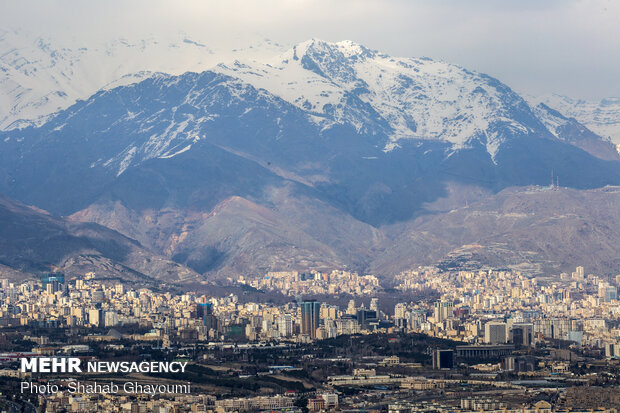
538 230
534 229
32 241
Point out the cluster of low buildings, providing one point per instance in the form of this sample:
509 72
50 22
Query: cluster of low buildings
316 283
499 307
54 302
487 406
62 401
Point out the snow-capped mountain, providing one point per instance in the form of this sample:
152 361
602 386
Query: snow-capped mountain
412 98
40 75
602 117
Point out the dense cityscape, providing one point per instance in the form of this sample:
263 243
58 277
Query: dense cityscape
489 340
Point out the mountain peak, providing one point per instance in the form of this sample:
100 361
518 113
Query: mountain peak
347 48
314 52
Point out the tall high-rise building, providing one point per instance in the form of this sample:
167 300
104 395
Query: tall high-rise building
607 292
522 334
51 277
95 317
328 311
495 333
204 311
53 286
443 359
400 310
310 314
351 309
110 318
579 273
443 310
365 317
374 305
285 325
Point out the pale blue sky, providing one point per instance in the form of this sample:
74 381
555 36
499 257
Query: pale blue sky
570 47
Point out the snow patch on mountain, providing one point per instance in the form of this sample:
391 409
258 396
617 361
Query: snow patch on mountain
601 117
569 130
172 155
171 124
552 119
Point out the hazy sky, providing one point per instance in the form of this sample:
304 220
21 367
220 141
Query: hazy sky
570 47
